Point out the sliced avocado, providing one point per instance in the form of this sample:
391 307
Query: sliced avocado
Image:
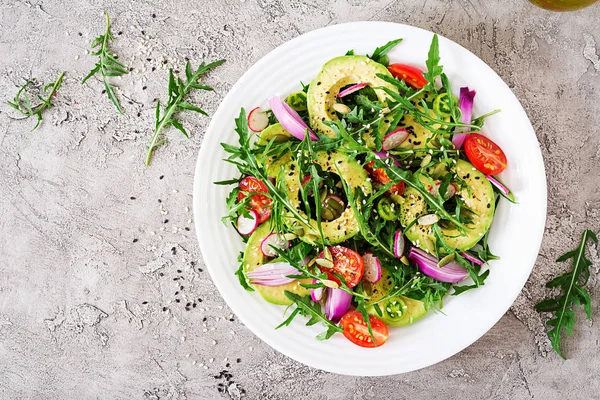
336 74
275 131
254 258
478 197
411 309
341 228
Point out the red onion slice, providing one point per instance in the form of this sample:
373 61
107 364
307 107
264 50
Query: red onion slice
338 302
272 274
385 155
351 89
465 103
452 272
471 258
394 139
290 119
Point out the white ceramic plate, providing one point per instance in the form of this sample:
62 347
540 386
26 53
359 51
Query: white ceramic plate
516 233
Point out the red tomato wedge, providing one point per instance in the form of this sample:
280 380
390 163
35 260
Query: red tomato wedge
379 175
347 263
259 202
484 154
413 76
357 331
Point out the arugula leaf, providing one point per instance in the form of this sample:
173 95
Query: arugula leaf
242 275
24 106
380 53
178 89
107 64
434 69
308 308
573 292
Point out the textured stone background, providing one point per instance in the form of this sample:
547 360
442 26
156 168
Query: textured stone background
81 300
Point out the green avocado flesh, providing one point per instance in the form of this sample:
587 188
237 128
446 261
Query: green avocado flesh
254 258
345 226
478 198
275 132
412 309
335 75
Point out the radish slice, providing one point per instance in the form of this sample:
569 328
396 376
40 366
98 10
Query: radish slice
399 244
273 240
450 192
394 139
372 268
317 294
247 225
352 89
471 258
257 120
338 302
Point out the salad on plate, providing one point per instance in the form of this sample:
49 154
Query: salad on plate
365 197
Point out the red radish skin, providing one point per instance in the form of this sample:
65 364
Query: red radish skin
247 225
351 89
372 268
257 120
273 240
394 139
399 244
317 294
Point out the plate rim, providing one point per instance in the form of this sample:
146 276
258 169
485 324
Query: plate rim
248 322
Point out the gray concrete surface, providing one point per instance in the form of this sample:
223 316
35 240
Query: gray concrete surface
88 260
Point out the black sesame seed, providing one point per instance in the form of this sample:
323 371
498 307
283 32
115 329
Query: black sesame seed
239 360
176 293
153 69
179 271
187 309
139 114
144 302
187 229
135 240
103 91
489 205
153 15
132 198
227 365
180 287
162 274
143 32
194 305
144 87
80 34
164 308
159 200
160 177
148 59
204 319
130 69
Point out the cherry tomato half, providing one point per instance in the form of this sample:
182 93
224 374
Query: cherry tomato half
484 154
259 202
413 76
357 331
379 175
347 263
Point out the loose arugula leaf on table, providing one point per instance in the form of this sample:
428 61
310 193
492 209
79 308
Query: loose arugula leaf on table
308 308
107 64
178 89
573 292
22 102
380 53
